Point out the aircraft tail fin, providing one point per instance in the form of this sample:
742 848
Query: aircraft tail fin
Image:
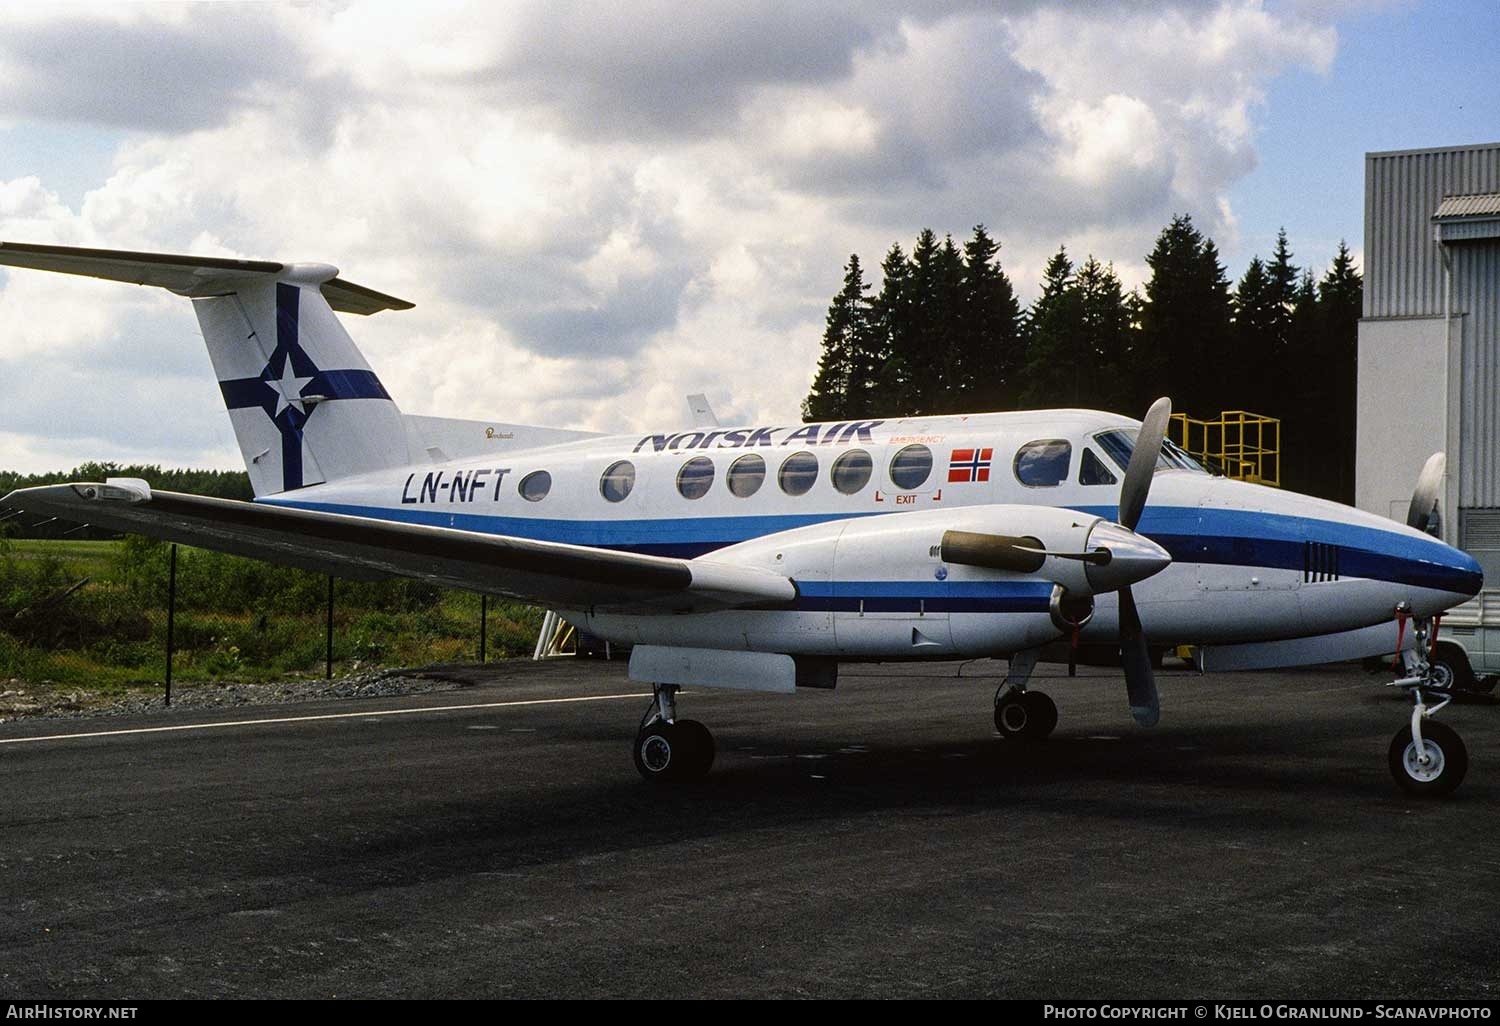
305 406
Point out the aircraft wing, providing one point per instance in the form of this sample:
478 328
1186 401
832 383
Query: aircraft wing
550 573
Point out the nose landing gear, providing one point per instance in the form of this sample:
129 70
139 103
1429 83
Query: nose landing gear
1427 759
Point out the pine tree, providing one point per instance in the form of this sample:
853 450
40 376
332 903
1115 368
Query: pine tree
914 349
891 320
986 354
1185 323
840 389
1105 321
1054 340
947 387
1340 301
1256 313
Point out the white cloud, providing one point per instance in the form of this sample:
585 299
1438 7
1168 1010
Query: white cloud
596 208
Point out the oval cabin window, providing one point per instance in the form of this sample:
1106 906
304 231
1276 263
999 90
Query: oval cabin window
696 477
535 486
799 472
911 467
851 471
746 475
617 481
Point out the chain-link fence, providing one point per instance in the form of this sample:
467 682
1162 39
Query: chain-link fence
119 614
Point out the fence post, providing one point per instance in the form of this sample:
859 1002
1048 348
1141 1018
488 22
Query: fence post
330 629
484 615
171 615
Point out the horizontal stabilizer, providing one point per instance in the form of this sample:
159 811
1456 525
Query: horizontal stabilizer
551 573
191 276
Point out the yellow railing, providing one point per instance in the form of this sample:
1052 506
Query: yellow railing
1241 445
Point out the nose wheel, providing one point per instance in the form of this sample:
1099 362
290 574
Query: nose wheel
669 750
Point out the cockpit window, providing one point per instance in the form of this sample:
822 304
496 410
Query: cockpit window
1092 471
1043 463
1118 444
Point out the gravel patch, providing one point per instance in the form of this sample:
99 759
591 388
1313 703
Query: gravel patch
24 701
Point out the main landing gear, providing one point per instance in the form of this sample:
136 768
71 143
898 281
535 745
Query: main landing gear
1023 715
1427 758
670 750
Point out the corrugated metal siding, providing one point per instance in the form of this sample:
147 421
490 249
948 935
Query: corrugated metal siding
1476 293
1403 272
1462 230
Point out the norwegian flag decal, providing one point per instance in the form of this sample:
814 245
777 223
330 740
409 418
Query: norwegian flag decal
967 465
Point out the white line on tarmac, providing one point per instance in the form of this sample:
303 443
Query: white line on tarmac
311 719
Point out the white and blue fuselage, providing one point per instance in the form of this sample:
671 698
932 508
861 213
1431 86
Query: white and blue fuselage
816 502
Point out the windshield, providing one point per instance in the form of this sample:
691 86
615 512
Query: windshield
1120 442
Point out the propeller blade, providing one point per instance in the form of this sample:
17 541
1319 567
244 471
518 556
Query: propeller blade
1140 680
1143 462
1424 500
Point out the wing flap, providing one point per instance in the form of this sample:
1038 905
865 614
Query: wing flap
551 573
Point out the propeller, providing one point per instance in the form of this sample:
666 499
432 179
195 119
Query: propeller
1423 512
1135 657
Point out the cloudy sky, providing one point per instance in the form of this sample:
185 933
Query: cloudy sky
601 207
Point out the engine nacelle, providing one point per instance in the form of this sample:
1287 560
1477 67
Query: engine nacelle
1070 612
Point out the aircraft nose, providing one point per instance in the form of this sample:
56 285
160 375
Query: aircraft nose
1438 577
1465 575
1132 557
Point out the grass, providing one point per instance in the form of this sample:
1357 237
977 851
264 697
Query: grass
236 619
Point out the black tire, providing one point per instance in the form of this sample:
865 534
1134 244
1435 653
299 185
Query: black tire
1449 761
700 746
1450 668
1043 715
1025 716
673 752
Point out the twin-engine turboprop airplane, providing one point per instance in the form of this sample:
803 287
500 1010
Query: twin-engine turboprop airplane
758 557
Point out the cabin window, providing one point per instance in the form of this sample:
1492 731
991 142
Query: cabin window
798 473
1043 463
851 471
535 486
696 477
911 467
617 481
746 475
1092 471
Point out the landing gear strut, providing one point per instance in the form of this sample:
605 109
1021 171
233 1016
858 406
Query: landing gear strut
1427 758
670 750
1020 714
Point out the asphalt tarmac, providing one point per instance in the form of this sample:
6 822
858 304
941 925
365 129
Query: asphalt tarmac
876 841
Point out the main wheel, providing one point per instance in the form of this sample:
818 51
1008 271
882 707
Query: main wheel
1447 760
1025 715
1450 668
672 752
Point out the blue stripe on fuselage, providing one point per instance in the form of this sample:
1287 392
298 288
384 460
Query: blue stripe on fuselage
1224 537
924 596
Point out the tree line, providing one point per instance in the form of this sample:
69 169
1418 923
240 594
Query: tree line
945 334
